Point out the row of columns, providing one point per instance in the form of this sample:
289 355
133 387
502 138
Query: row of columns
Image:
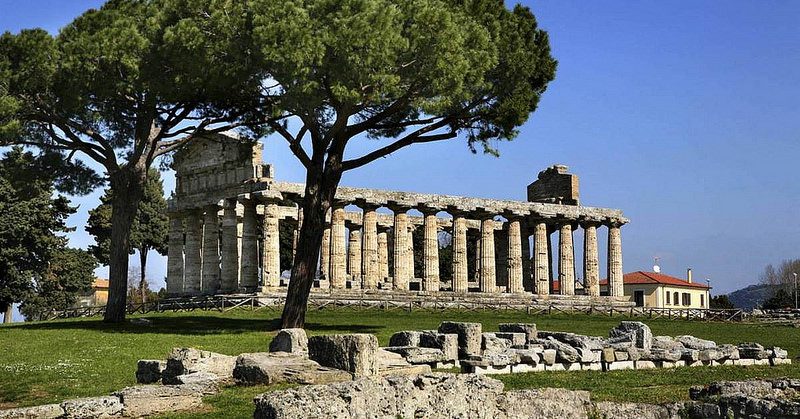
206 259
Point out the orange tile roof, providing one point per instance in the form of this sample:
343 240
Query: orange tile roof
641 277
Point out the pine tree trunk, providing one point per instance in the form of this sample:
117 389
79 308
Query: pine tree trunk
8 313
142 264
127 185
319 192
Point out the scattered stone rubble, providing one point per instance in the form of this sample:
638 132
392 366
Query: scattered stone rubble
523 348
351 376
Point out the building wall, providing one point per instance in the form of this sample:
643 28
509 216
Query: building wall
655 296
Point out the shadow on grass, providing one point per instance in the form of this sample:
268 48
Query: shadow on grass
190 325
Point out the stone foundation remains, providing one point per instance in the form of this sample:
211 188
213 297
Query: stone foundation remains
228 210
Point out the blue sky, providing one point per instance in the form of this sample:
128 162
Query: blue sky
683 114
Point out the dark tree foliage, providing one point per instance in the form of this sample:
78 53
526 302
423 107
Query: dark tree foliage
30 219
780 300
148 231
721 302
124 85
70 272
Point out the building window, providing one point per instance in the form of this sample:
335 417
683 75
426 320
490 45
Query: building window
702 300
686 299
668 298
675 298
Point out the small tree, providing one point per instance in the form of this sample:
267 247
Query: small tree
721 302
149 229
70 272
121 86
780 300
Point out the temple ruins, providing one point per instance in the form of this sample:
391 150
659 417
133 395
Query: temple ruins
228 211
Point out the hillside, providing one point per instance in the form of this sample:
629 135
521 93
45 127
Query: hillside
751 296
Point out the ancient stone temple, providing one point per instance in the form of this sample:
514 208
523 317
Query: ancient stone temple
228 214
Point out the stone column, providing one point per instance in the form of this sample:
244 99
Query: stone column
211 250
231 236
566 261
325 255
296 234
338 269
615 285
370 269
271 263
460 275
383 256
354 256
487 278
527 277
400 273
410 253
591 261
514 257
541 269
430 253
248 273
193 249
175 255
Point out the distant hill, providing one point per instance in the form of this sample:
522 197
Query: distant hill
752 296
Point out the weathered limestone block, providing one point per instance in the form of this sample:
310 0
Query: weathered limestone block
550 403
202 378
149 400
666 342
621 355
779 353
405 338
636 332
148 371
428 395
635 354
661 354
518 340
752 350
283 367
690 355
528 356
390 363
608 355
446 342
469 337
418 355
45 411
182 361
692 342
711 354
529 329
578 341
632 410
564 352
645 365
491 342
588 356
92 407
290 340
354 353
620 365
549 356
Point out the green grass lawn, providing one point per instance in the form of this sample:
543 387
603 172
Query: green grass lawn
51 361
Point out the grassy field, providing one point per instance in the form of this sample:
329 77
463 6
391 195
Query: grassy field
52 361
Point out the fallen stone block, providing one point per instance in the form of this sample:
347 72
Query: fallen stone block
692 342
621 355
661 354
631 410
745 362
564 352
446 342
549 356
390 363
292 341
46 411
518 340
594 366
548 403
780 361
469 337
203 378
668 343
608 355
92 407
709 355
491 342
620 365
529 329
527 356
752 350
283 367
417 355
574 366
636 332
354 353
184 361
491 369
779 353
149 400
148 371
635 354
761 361
405 338
522 368
729 351
555 367
575 340
667 364
645 365
690 355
